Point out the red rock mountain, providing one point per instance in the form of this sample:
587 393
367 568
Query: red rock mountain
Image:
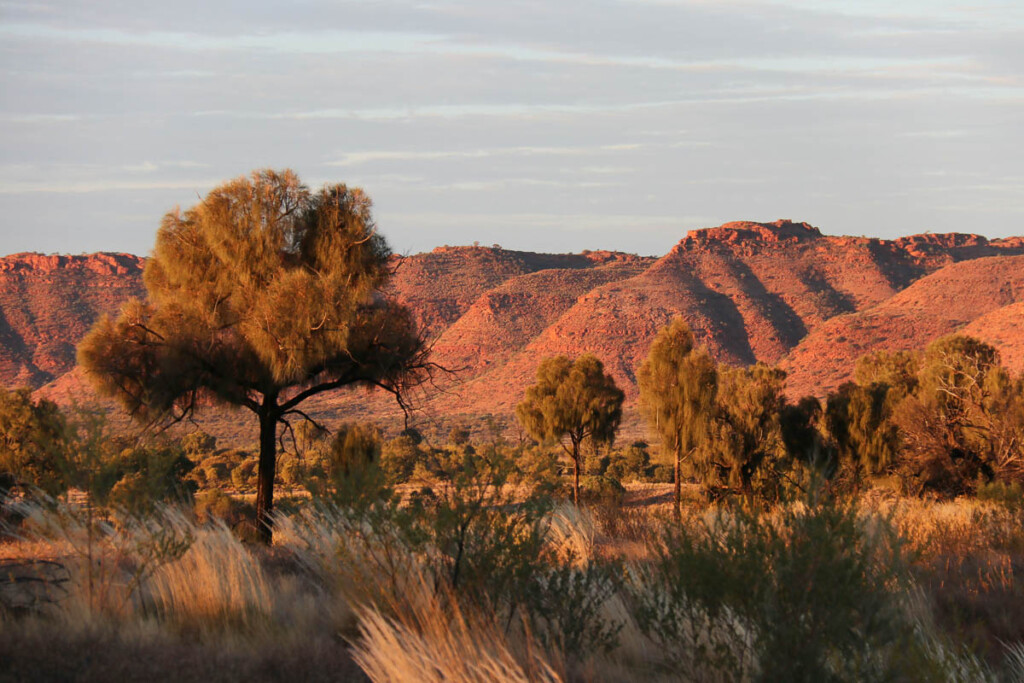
778 292
48 303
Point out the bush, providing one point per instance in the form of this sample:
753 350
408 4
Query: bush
216 504
198 444
813 594
596 490
663 474
398 458
1007 494
243 475
630 464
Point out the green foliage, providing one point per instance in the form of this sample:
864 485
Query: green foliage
897 370
215 504
346 470
962 425
859 421
262 295
603 491
198 444
1007 494
630 464
810 596
537 467
33 441
566 606
678 384
746 451
572 400
398 458
148 475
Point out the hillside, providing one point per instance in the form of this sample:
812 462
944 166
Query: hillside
973 296
777 292
48 303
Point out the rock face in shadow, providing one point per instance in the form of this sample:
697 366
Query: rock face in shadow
974 297
781 292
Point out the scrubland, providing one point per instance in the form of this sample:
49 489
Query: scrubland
482 580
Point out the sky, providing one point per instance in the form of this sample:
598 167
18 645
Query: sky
555 125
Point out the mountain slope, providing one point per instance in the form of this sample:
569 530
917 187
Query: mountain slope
48 303
778 291
938 304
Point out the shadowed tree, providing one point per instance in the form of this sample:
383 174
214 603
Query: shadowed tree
572 400
677 393
263 295
746 434
859 420
954 424
33 442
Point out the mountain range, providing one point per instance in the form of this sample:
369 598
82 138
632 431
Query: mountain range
779 292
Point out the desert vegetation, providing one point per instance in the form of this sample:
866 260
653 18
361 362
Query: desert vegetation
874 535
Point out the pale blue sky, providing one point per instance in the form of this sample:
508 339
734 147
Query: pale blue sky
551 126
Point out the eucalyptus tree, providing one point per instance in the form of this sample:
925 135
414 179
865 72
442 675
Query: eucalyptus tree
677 393
574 401
263 295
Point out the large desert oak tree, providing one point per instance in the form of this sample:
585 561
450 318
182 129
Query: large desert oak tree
574 401
263 295
677 393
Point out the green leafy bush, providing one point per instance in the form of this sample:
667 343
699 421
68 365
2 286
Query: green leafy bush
812 594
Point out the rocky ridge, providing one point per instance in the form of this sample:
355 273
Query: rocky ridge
777 292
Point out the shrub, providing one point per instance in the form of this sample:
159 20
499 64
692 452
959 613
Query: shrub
398 458
812 594
215 504
597 490
630 464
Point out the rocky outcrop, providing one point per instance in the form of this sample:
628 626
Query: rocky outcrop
779 292
950 300
49 302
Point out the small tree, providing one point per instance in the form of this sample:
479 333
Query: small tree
574 401
746 434
955 424
262 296
859 420
33 442
677 394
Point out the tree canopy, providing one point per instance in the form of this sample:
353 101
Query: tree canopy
678 384
572 400
33 442
263 295
746 432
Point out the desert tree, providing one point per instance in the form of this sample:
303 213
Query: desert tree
677 394
897 370
959 425
746 436
34 440
572 401
859 421
263 295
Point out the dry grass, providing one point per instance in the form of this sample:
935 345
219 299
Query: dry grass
216 582
339 591
433 640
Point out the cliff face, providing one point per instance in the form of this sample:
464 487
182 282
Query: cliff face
48 303
777 292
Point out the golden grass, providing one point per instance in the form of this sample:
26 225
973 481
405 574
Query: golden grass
433 640
217 581
333 578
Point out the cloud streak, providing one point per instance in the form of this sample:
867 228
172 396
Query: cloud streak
570 123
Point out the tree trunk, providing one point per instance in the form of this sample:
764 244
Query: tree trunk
679 481
267 469
576 473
